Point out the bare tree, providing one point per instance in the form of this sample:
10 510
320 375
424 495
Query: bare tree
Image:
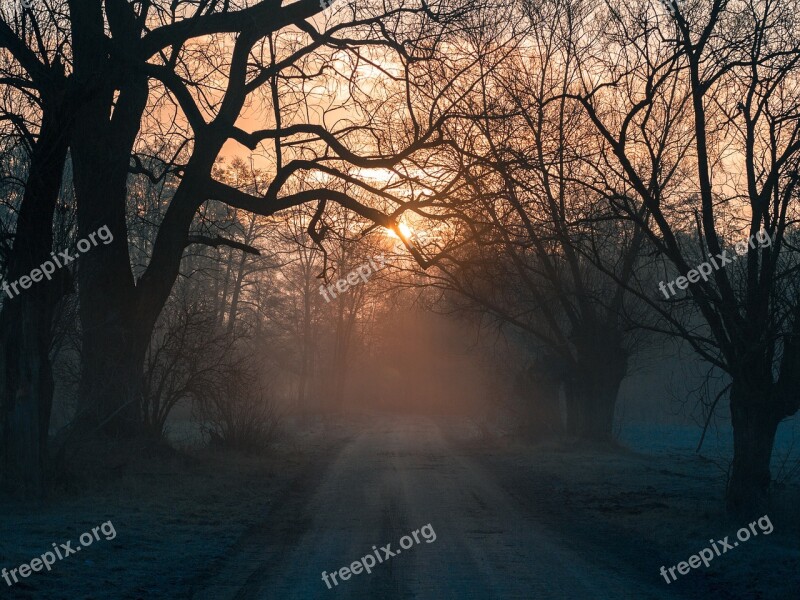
148 43
38 102
535 236
695 127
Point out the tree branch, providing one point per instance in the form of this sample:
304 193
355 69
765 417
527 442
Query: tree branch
221 241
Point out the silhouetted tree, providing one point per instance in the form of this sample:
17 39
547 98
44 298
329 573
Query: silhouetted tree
694 113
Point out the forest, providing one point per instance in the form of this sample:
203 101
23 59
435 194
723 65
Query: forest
284 279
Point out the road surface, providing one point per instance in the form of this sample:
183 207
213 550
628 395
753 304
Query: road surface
392 479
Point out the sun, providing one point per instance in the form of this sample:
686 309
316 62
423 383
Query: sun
404 229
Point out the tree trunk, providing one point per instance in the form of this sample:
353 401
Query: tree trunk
117 314
237 290
28 394
118 317
590 410
26 321
223 298
542 416
111 378
755 424
540 392
107 295
345 324
111 338
598 409
306 348
592 390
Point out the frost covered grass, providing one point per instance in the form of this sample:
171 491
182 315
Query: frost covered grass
194 524
176 518
653 499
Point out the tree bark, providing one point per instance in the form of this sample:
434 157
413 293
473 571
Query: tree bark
541 390
26 320
755 424
106 286
593 387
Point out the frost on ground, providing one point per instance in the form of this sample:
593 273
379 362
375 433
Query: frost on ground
212 525
174 518
655 501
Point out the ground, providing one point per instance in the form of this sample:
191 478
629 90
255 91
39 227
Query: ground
510 521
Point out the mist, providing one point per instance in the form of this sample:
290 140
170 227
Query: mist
399 299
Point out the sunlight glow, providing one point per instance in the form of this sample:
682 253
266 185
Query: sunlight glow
405 231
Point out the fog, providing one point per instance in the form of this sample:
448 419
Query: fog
399 299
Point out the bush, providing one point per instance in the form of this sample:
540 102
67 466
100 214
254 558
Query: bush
233 417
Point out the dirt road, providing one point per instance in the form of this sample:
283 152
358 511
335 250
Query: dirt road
396 477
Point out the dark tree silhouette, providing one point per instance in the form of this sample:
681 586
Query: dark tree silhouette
696 121
39 102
